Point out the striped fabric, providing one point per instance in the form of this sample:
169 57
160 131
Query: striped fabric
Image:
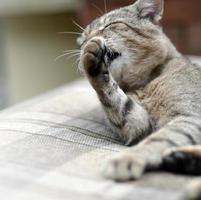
53 147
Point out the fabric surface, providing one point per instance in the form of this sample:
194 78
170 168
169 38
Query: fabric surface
53 147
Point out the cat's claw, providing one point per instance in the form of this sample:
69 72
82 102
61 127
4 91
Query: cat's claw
124 167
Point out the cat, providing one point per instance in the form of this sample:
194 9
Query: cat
150 93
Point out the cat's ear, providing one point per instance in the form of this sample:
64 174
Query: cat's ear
152 9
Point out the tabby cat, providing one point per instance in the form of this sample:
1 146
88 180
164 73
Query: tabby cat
151 94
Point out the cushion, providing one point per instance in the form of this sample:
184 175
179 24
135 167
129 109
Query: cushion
53 146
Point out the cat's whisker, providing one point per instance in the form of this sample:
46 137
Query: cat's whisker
70 33
98 9
79 26
69 57
76 62
80 71
105 4
70 51
66 54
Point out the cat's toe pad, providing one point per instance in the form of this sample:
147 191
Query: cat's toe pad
123 168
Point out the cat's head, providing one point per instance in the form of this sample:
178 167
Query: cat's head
135 37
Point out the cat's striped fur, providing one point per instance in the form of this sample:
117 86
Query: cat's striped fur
149 91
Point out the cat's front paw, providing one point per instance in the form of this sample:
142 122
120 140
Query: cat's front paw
93 57
124 167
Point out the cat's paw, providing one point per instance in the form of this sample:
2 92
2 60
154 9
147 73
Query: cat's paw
124 167
93 57
186 160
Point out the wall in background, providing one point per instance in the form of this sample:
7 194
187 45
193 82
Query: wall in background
31 44
3 79
33 7
181 22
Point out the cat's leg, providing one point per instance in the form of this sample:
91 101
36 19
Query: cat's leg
185 160
148 154
127 117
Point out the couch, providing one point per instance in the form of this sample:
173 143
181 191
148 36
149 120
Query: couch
52 147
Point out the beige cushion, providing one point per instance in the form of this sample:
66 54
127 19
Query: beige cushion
53 147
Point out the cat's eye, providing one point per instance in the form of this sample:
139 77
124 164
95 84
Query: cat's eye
113 23
108 25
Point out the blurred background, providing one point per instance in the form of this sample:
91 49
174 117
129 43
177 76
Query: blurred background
30 40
